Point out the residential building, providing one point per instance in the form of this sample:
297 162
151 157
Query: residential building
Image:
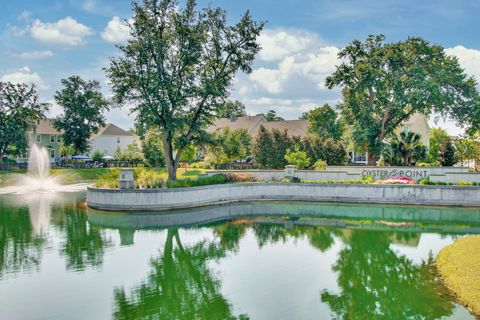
46 136
110 138
417 123
107 140
252 125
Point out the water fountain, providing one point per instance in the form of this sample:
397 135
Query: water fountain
38 178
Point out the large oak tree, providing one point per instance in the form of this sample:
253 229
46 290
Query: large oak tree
383 84
178 66
83 107
20 109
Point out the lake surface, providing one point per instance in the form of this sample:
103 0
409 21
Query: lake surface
263 260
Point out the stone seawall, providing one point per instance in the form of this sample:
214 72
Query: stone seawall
164 199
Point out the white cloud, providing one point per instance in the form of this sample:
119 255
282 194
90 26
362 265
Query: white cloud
54 109
25 75
279 43
469 59
116 31
65 31
311 68
30 55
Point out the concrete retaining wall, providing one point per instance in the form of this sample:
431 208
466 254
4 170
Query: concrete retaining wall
163 199
276 175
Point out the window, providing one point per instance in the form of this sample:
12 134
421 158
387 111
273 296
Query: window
52 139
59 138
38 137
118 140
52 153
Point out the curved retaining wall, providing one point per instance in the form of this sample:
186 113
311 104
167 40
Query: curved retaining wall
164 199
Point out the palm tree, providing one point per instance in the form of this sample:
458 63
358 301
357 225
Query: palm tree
405 149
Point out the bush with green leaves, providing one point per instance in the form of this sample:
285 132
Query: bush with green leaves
109 179
297 158
98 155
148 179
320 165
200 181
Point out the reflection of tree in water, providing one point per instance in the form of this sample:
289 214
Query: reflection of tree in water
319 237
20 247
85 244
180 286
376 283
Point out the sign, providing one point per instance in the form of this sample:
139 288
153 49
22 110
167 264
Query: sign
409 173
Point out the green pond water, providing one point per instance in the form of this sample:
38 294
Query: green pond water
262 260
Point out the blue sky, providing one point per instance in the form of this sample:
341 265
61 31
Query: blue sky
45 41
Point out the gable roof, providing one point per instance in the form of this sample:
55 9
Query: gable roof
110 130
45 126
297 128
249 123
253 123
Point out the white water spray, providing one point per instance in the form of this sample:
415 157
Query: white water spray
38 178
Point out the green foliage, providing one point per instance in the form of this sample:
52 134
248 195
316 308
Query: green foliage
325 123
297 158
448 157
231 109
383 84
405 149
438 141
272 116
201 181
228 145
320 165
131 153
468 151
295 180
20 109
239 177
152 148
178 66
147 179
98 155
201 165
83 106
108 179
270 148
189 153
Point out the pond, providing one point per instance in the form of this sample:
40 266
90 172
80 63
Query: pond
263 260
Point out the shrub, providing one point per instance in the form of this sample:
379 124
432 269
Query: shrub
201 165
464 183
320 165
200 181
239 177
426 182
148 179
109 179
368 179
297 158
295 180
98 156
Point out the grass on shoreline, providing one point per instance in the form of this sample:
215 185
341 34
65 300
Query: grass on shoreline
459 267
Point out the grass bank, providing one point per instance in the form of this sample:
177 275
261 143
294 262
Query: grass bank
459 267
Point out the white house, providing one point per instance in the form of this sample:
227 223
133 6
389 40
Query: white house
109 138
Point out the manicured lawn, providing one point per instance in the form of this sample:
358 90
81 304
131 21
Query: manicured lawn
459 266
88 175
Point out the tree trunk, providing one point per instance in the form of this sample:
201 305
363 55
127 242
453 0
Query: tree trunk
370 159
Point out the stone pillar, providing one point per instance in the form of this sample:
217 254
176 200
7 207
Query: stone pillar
289 171
126 179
